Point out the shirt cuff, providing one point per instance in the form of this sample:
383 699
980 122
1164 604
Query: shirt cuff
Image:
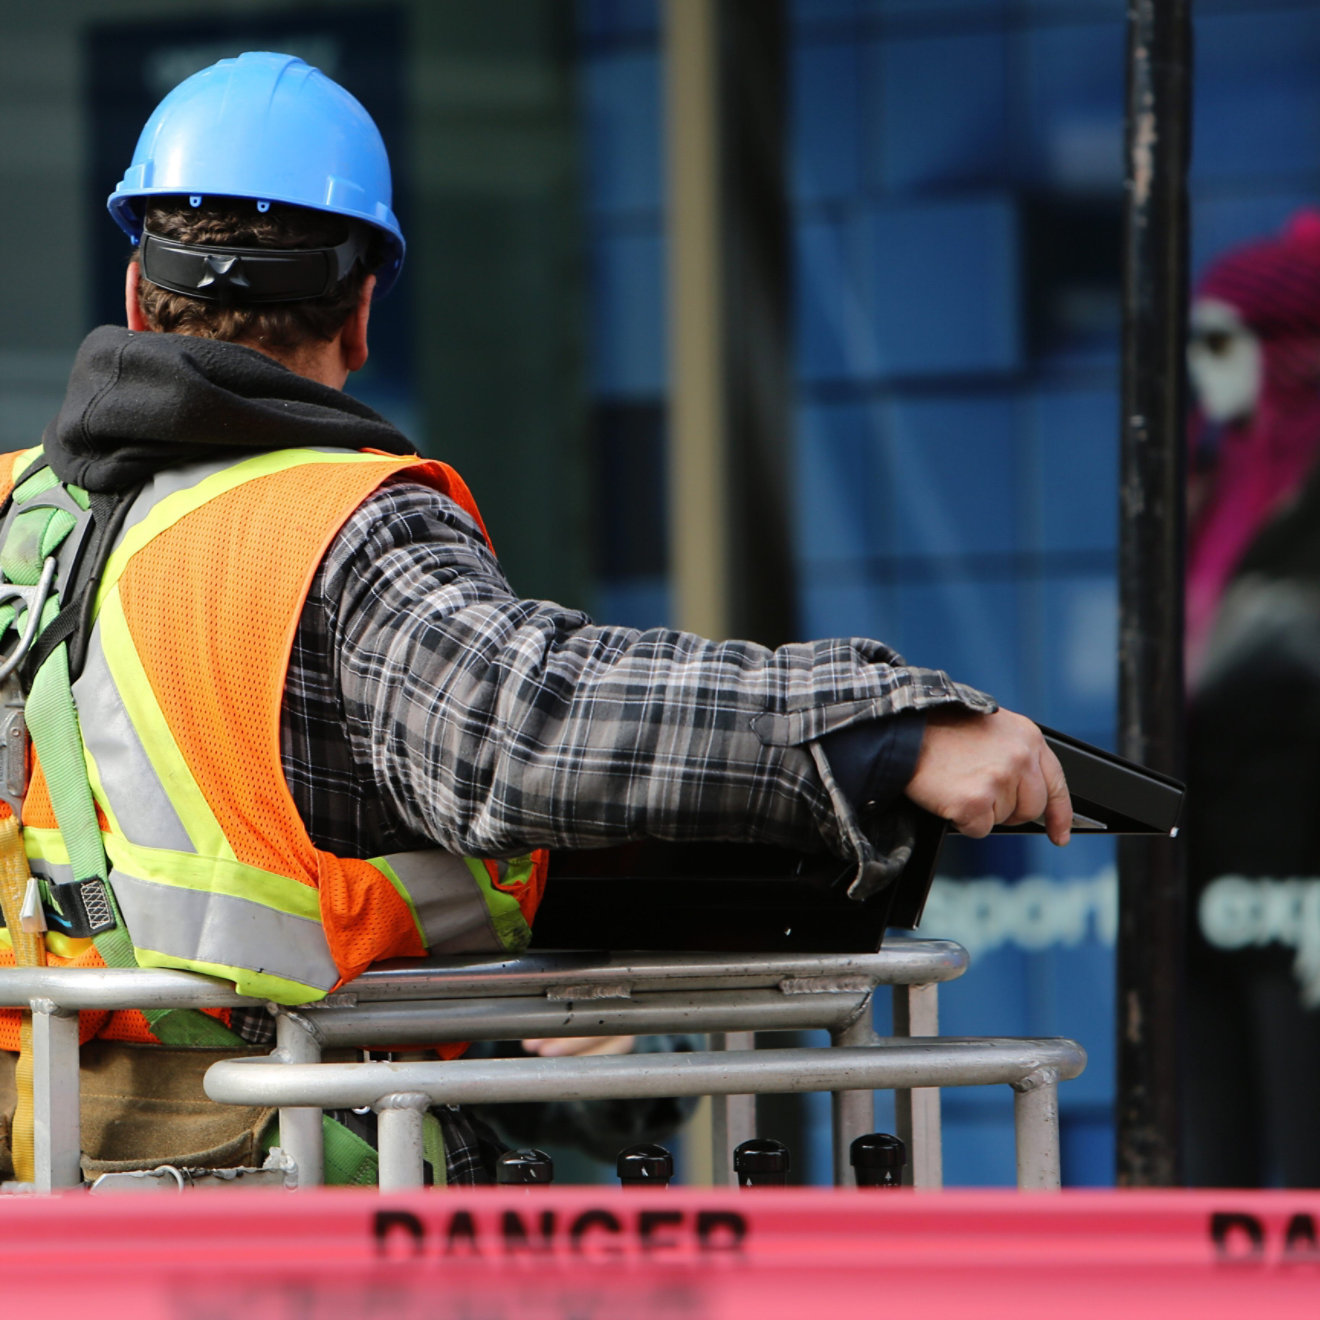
872 761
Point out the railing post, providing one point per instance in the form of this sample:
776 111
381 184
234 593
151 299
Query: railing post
732 1117
853 1112
917 1112
56 1097
399 1130
301 1135
1036 1120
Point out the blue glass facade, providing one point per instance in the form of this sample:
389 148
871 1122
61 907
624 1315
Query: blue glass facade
956 183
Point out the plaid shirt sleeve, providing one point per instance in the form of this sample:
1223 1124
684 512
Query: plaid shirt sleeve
489 724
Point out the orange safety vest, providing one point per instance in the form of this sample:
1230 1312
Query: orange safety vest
179 705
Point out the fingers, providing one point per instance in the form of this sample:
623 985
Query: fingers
979 771
1058 809
974 816
1002 781
1032 791
1042 795
561 1046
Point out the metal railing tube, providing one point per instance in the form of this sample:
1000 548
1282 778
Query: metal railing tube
426 1022
901 961
732 1117
950 1061
917 1112
115 988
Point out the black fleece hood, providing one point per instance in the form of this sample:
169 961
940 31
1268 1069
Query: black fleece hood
137 403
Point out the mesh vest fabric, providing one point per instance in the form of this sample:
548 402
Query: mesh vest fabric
195 618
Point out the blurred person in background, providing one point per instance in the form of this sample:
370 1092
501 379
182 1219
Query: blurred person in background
1253 669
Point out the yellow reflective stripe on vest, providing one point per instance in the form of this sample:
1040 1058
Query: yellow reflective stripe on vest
61 945
198 912
45 845
172 775
130 785
203 908
260 985
214 875
180 503
506 916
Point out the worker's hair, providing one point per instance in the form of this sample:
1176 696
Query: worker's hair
236 222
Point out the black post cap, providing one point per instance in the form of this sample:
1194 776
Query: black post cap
761 1162
878 1159
647 1165
524 1166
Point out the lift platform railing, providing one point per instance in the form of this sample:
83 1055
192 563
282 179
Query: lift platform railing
729 996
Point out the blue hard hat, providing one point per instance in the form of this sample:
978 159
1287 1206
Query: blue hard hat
272 128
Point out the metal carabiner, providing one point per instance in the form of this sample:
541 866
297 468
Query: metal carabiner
34 601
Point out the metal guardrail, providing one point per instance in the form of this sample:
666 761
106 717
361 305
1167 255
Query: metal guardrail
573 994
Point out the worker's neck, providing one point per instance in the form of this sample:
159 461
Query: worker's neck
320 361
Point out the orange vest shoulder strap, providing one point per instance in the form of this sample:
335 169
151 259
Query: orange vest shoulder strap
212 604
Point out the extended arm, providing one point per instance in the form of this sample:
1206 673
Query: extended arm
492 724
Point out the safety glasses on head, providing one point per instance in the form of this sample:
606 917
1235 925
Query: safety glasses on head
247 275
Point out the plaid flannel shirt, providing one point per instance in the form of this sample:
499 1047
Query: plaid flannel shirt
426 704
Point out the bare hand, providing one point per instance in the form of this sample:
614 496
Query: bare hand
979 771
558 1046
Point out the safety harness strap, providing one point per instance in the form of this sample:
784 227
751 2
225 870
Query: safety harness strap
53 724
351 1160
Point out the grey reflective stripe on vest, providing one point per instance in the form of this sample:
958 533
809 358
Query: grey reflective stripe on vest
54 873
136 796
227 931
450 907
169 482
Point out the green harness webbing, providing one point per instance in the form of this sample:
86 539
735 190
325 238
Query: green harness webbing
32 534
352 1161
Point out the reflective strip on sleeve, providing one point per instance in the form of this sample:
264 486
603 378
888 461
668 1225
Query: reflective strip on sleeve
506 914
447 902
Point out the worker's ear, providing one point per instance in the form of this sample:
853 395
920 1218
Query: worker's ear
353 335
132 312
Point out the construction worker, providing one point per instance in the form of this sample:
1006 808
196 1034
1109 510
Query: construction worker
301 722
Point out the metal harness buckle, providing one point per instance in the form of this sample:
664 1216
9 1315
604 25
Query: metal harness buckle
33 600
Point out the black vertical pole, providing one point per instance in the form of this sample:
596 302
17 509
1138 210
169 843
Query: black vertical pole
754 241
1150 929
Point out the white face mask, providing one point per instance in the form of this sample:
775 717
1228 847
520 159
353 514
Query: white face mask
1224 361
